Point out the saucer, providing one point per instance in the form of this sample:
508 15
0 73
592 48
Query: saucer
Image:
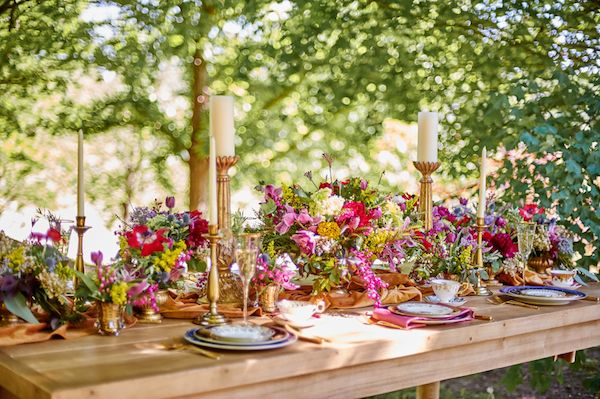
456 301
575 285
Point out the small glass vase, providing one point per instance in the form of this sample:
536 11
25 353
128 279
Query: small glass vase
268 297
110 318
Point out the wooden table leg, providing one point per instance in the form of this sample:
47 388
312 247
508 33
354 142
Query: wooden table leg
429 391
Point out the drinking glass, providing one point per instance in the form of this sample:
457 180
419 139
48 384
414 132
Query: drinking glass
525 235
247 251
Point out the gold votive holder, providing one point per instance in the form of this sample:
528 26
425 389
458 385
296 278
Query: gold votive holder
479 287
80 228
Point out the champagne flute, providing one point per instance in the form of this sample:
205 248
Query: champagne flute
247 251
525 235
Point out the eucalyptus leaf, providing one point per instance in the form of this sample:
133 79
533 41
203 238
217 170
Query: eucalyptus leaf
17 305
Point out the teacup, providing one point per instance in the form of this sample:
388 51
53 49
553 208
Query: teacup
445 290
563 278
299 311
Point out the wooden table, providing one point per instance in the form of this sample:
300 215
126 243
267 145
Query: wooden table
362 360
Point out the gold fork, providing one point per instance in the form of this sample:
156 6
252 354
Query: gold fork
496 300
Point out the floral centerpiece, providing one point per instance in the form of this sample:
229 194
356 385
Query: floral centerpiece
37 272
334 232
160 245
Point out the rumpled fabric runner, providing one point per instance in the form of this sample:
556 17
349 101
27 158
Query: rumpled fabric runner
26 333
400 289
531 278
409 322
184 306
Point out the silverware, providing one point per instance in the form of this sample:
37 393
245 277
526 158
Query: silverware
497 300
483 317
174 345
592 298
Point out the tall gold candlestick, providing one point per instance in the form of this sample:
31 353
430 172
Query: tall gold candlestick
80 228
213 317
480 288
425 193
230 285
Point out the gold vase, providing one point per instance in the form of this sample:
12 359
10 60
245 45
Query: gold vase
110 318
147 314
268 296
541 263
7 318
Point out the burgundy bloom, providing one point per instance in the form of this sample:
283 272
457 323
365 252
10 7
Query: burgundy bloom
198 230
170 202
501 242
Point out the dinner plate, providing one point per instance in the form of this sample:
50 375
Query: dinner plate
536 295
430 310
279 335
238 333
190 337
457 301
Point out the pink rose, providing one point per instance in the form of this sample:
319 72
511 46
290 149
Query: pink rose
305 240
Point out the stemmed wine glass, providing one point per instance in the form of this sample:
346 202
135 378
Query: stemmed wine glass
247 251
525 235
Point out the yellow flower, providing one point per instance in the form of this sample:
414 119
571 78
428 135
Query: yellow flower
329 229
166 260
464 258
378 238
16 258
271 249
118 293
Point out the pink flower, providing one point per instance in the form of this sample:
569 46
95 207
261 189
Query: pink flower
305 240
529 211
304 217
97 258
286 222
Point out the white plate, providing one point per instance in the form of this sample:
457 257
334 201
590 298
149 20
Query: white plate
189 337
573 286
527 294
282 321
431 310
455 302
240 333
279 335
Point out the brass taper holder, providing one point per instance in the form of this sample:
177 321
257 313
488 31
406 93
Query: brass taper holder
80 228
479 287
212 317
230 285
425 192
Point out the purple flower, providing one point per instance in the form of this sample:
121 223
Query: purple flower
450 238
463 201
363 184
305 240
97 258
500 222
8 283
138 289
170 202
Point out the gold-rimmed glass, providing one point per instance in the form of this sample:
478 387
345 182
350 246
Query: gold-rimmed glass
525 236
247 250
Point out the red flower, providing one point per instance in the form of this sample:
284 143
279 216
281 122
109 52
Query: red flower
198 230
427 245
354 215
324 185
54 235
501 242
529 211
148 241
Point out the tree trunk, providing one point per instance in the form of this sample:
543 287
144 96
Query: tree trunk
198 164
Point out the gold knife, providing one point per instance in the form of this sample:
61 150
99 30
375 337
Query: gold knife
592 298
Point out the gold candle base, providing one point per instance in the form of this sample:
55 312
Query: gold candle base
479 287
230 285
425 192
213 317
80 228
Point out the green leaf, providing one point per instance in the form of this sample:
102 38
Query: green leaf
17 305
513 378
89 283
587 273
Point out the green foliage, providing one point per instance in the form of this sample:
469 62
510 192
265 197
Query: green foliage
17 305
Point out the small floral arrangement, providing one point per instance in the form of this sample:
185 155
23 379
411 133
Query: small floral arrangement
160 245
273 269
112 284
336 231
37 272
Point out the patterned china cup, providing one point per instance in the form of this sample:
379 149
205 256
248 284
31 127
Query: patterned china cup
562 278
445 290
299 311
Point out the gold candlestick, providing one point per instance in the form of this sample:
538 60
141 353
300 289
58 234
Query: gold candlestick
425 193
80 228
212 317
480 288
230 285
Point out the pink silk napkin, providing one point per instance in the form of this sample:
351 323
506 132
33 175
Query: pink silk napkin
408 322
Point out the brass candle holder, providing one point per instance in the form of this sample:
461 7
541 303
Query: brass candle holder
425 193
479 287
80 228
212 317
230 285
